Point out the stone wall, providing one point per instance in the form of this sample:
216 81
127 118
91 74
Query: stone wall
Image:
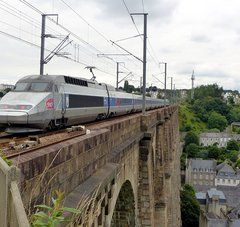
143 150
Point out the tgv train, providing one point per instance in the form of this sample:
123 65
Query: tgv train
49 101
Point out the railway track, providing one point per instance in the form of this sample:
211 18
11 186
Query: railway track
12 146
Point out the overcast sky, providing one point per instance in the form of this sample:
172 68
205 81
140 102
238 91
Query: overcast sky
187 34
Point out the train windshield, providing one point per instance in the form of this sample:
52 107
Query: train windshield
39 86
21 87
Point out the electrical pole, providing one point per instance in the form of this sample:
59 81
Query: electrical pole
117 82
144 62
171 89
117 75
165 84
42 44
43 36
192 91
141 84
174 93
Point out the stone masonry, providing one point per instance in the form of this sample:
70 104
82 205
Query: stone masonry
142 152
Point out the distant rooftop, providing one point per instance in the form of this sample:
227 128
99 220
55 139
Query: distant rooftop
214 192
201 195
209 135
202 165
225 168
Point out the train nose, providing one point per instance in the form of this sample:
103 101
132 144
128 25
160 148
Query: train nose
14 117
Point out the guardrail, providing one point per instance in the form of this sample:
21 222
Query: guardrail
12 212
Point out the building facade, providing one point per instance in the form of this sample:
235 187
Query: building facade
226 175
208 139
200 172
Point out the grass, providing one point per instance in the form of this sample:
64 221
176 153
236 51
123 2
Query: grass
189 121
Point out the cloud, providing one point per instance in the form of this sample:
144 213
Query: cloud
200 39
160 10
211 74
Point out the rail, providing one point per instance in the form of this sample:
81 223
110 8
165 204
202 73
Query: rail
12 212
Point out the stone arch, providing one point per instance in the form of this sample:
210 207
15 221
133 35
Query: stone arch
124 210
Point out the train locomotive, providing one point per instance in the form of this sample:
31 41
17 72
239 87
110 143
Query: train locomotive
41 102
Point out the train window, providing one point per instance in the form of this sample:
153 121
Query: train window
39 86
21 87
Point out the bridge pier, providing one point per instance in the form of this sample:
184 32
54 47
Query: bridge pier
145 189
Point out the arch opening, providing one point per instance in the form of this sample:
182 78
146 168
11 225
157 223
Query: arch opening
124 211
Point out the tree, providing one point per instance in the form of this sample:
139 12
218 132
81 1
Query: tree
234 114
216 120
192 150
233 156
232 145
231 100
125 87
191 137
214 152
190 209
183 161
212 90
238 163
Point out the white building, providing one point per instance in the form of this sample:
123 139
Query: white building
226 175
208 139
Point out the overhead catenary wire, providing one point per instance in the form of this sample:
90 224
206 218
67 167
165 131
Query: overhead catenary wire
15 12
23 16
132 19
37 46
90 25
61 26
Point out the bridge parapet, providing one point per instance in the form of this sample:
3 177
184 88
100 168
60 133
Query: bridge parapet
12 212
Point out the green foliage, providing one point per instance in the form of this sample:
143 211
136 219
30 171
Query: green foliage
4 157
214 152
188 121
212 90
237 163
52 216
192 150
128 88
231 100
218 121
215 130
190 209
232 145
191 137
202 108
233 156
183 161
234 114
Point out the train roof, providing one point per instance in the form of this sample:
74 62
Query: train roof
58 79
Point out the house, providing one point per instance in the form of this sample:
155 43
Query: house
226 175
214 210
208 139
200 172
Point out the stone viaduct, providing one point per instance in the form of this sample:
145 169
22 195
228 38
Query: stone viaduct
127 169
